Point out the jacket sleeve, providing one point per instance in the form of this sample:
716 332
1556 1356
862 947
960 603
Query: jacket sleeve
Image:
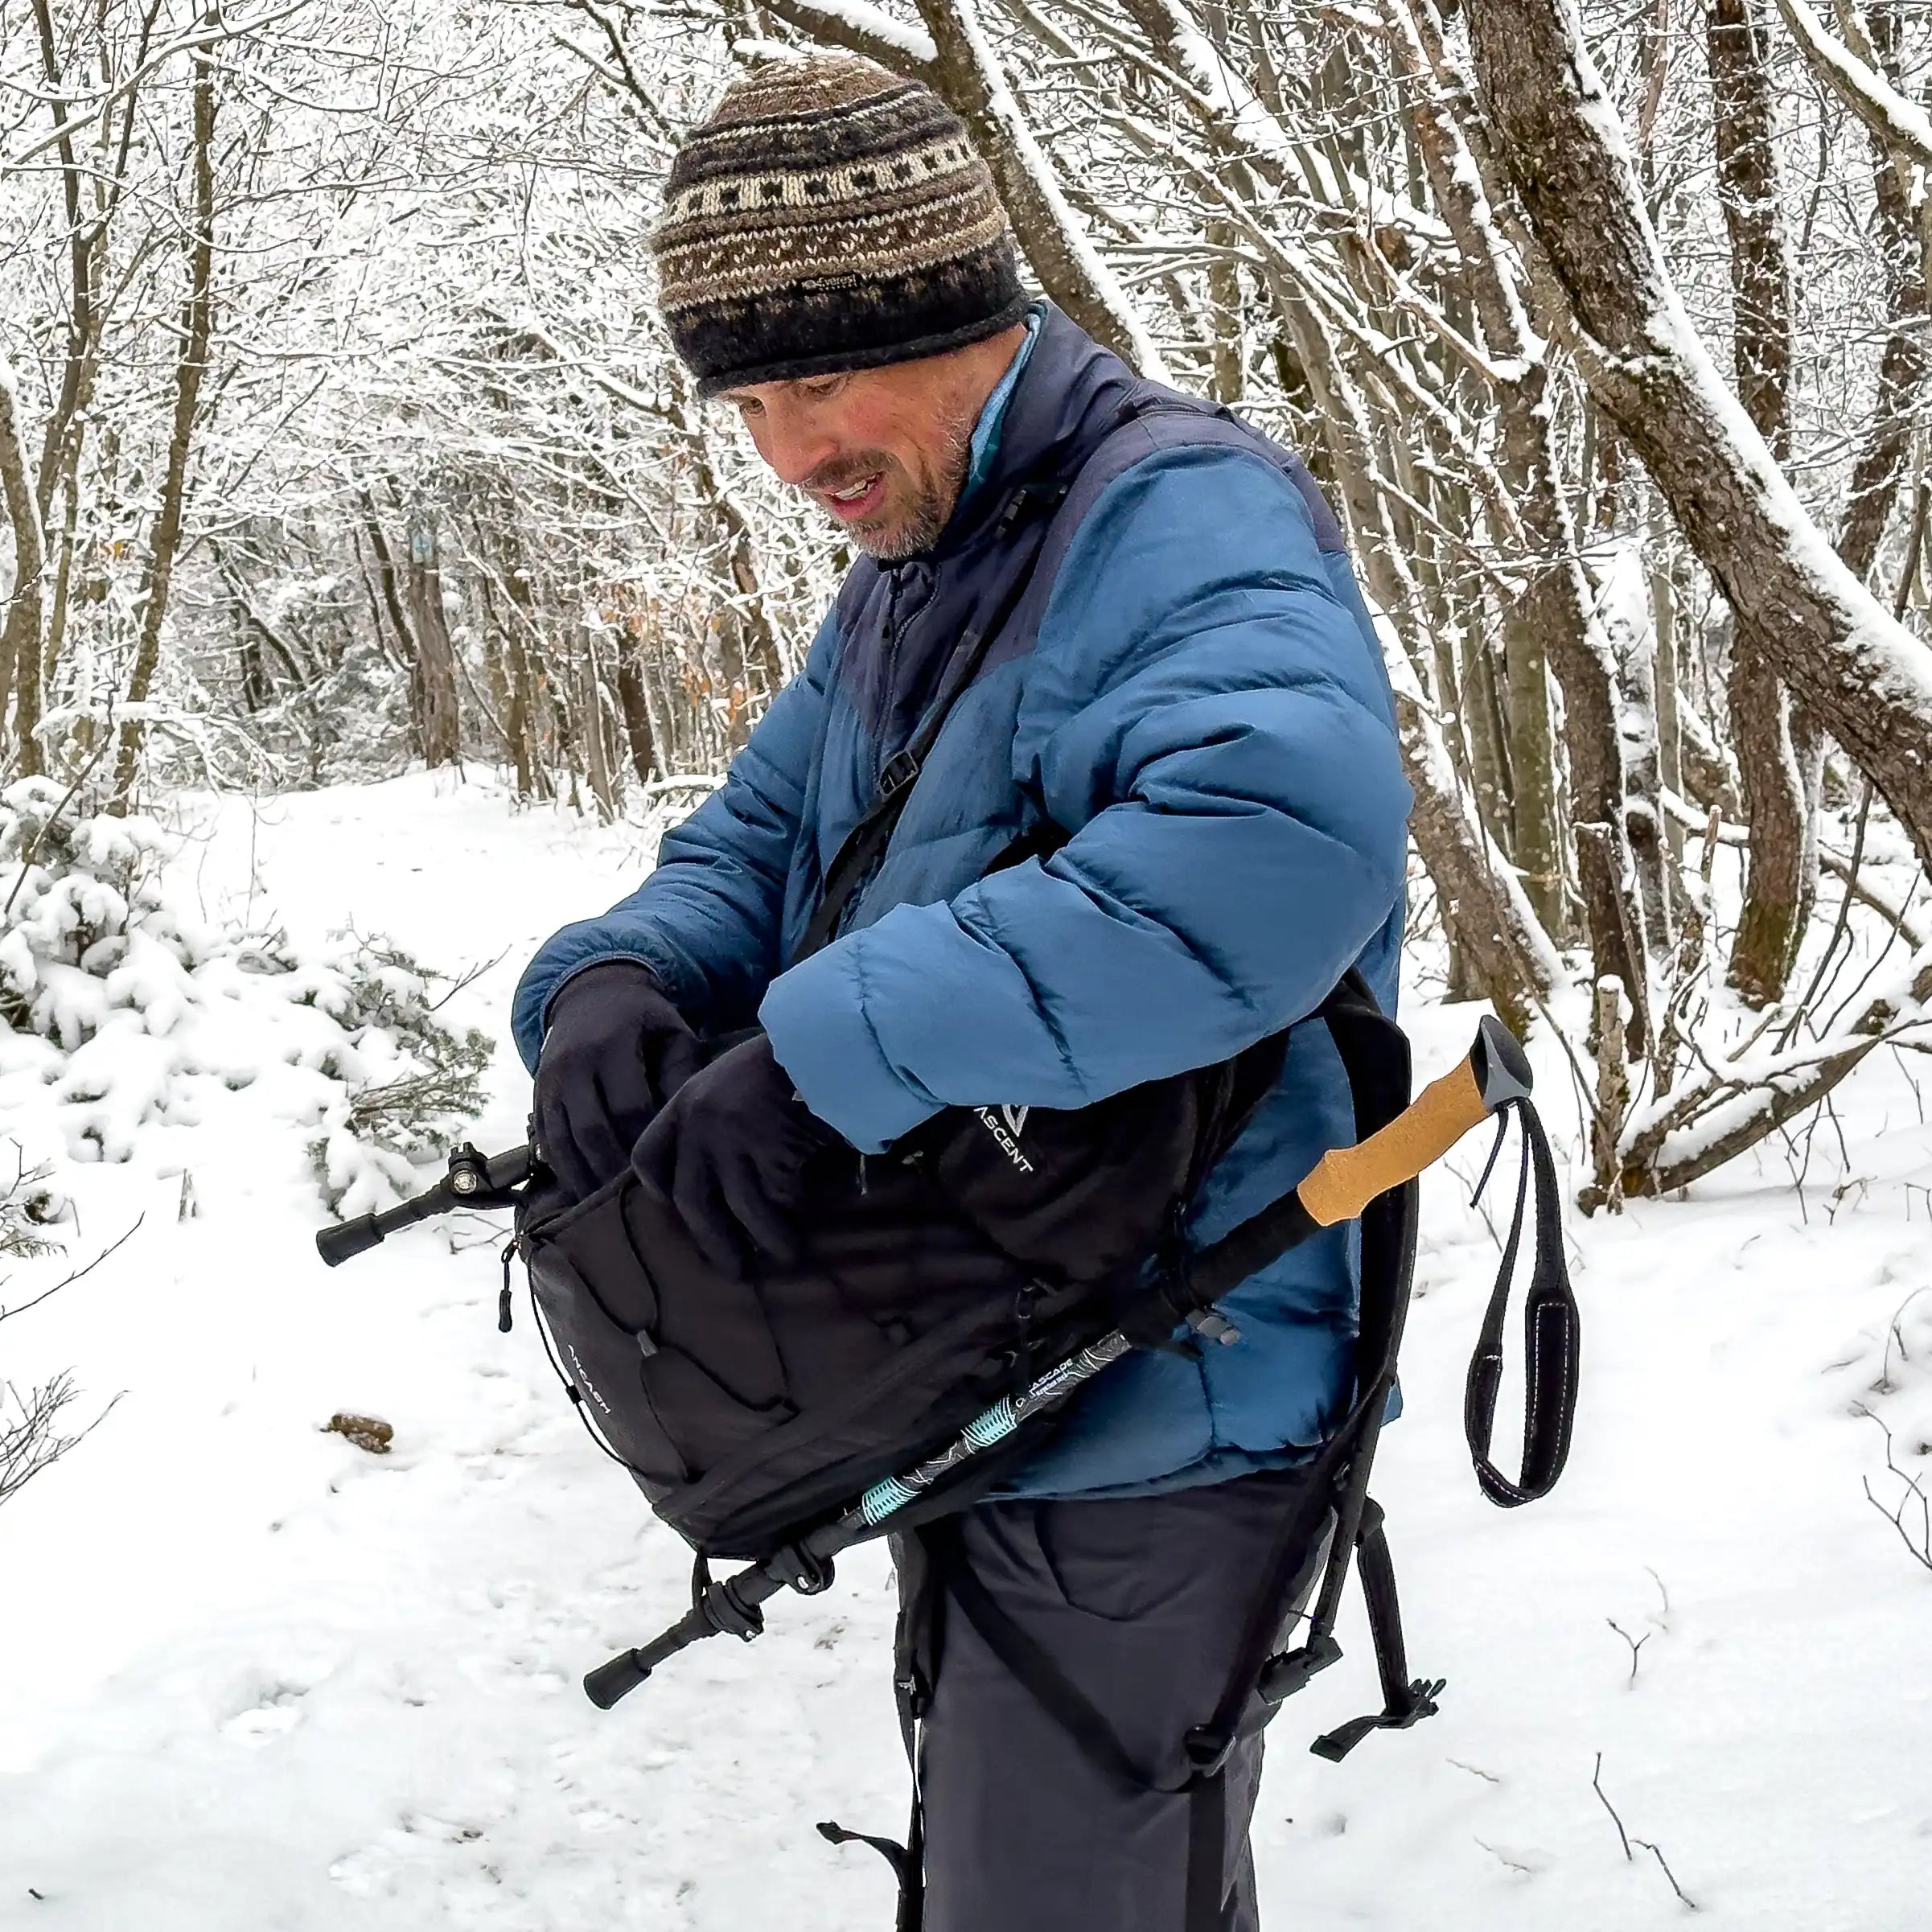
707 921
1208 710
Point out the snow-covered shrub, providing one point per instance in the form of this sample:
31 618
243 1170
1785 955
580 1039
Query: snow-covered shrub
84 928
128 1016
410 1082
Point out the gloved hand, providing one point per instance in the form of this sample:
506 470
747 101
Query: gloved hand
729 1153
614 1051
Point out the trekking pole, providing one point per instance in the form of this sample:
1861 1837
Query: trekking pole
1494 1075
474 1180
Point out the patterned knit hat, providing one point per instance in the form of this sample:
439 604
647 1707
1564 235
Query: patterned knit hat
829 217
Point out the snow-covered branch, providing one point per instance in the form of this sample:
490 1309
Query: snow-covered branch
1864 676
859 27
1898 123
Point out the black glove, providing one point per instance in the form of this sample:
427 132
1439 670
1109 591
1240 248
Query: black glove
730 1153
614 1051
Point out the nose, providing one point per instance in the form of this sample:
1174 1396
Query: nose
792 445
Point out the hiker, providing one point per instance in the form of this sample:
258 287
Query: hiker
1172 668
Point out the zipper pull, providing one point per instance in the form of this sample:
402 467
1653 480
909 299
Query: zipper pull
502 1298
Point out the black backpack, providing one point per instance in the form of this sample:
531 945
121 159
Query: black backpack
750 1406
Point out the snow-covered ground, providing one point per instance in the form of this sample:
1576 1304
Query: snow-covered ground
253 1679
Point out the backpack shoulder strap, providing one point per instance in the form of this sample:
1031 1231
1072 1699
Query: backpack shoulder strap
1152 418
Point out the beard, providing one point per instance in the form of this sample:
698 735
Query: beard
915 510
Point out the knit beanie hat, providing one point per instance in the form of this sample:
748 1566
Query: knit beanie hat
829 217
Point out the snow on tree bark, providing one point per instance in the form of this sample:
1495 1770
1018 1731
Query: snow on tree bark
1556 606
20 634
954 58
1867 679
1781 875
1905 364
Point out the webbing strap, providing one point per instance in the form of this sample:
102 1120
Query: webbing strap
1207 1854
1404 1702
915 1650
865 843
1550 1336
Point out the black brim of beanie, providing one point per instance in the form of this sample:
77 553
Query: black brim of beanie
846 358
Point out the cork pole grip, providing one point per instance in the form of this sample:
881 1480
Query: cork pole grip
1348 1179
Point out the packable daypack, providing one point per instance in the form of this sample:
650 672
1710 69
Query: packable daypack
748 1404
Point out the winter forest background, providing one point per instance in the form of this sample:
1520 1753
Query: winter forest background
340 448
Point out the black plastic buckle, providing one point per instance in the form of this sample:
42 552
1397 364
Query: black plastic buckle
899 772
1423 1692
1207 1749
728 1617
1289 1672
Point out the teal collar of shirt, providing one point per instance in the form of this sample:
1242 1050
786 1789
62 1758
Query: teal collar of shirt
985 445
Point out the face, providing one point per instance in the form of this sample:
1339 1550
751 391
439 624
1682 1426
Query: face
882 452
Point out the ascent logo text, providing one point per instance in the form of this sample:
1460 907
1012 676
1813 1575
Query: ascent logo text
996 1128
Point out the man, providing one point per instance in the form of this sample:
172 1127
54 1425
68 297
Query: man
1172 664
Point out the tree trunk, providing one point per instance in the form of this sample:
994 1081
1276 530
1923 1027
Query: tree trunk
197 327
1536 834
1780 877
637 720
967 74
1488 917
532 780
1224 315
1904 366
1665 683
20 634
405 656
1638 651
1867 681
434 686
1557 606
597 762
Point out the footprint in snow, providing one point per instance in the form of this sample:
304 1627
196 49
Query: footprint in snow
276 1716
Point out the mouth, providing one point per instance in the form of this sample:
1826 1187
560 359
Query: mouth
857 500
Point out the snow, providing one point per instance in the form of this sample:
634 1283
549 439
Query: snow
257 1680
869 23
1072 231
1900 122
1218 90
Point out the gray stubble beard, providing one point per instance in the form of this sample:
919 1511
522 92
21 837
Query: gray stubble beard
927 527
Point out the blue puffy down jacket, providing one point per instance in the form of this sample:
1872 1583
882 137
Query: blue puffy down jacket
1191 687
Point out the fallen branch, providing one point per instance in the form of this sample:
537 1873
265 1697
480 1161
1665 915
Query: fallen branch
1919 1544
1625 1839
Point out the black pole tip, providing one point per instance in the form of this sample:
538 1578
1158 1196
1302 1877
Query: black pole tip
619 1677
347 1240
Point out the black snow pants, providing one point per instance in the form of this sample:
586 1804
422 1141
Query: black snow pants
1049 1812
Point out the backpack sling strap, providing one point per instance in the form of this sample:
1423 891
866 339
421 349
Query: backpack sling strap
865 845
1148 419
